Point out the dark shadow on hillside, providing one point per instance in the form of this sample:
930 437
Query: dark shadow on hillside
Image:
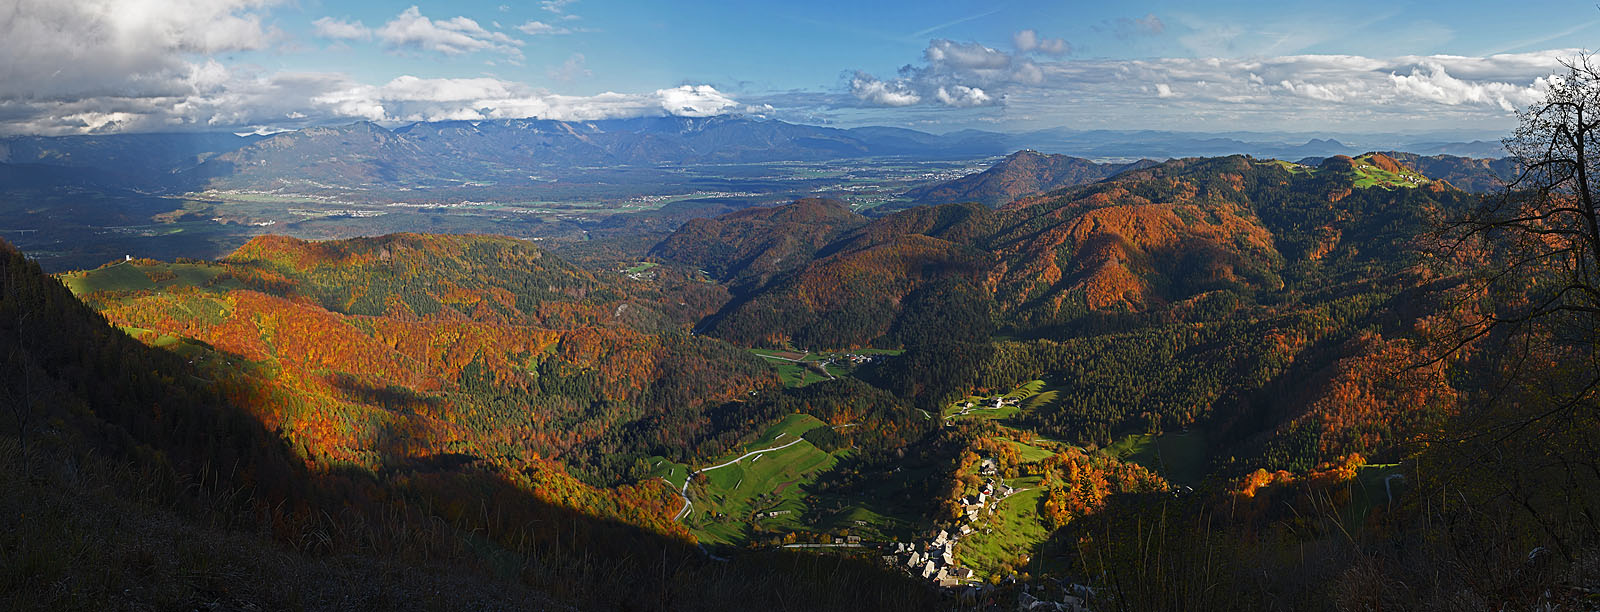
390 397
1251 427
124 400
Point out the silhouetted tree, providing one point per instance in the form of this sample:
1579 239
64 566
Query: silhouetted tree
1530 325
1541 236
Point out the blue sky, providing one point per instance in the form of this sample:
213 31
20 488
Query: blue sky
1349 67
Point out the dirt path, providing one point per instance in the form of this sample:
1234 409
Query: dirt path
800 359
684 491
782 486
742 457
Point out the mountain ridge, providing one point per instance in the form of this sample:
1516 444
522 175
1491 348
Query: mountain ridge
444 153
1023 173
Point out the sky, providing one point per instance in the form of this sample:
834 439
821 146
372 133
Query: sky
1357 66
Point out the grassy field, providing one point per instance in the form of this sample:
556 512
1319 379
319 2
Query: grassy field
783 355
640 267
1178 457
1030 453
871 520
792 426
1027 396
810 356
1040 400
1292 167
136 277
1368 175
1015 530
150 336
794 375
1367 491
672 471
1365 174
893 507
728 497
733 501
793 370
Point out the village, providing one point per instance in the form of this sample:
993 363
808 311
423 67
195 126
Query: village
935 559
950 555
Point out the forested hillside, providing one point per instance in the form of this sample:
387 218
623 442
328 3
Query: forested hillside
1189 292
377 352
747 248
1020 174
1266 331
177 473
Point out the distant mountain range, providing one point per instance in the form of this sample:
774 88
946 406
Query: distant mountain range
139 161
1023 173
449 153
529 152
1031 173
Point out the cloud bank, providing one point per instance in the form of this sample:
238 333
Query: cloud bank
964 74
410 98
87 66
58 50
96 66
223 99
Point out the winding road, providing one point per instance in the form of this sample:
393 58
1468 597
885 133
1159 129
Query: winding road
684 491
1389 492
764 450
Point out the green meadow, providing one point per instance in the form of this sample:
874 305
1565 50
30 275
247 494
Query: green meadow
1179 457
131 276
1016 531
733 489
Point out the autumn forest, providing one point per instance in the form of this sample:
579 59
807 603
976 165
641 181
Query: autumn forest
1352 382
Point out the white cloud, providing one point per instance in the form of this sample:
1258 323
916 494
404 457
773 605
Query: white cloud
1326 93
1025 40
454 36
74 66
536 28
243 101
57 49
571 70
868 88
965 56
82 66
555 6
695 101
337 29
961 95
410 98
1288 91
1029 41
410 88
954 74
1431 81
